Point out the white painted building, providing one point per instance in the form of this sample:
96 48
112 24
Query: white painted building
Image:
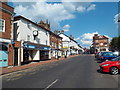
35 40
70 46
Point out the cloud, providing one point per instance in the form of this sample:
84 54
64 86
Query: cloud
86 39
91 7
77 38
54 12
116 17
86 42
66 27
81 9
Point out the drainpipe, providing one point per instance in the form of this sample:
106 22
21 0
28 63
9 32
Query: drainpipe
12 37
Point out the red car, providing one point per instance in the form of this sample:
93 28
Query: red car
112 66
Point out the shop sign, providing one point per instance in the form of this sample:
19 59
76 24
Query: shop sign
31 46
45 48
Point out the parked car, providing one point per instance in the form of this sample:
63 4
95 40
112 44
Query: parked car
98 55
108 55
111 66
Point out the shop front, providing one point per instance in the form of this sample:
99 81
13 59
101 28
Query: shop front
35 52
56 53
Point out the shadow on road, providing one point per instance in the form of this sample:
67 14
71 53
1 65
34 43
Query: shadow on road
102 72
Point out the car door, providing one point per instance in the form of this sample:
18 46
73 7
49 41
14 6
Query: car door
119 64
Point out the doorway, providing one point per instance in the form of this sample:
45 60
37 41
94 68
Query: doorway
15 56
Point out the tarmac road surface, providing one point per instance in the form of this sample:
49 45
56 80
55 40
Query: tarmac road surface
76 72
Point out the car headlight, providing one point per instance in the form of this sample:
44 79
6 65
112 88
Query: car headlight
105 64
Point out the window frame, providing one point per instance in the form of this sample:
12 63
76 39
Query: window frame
3 25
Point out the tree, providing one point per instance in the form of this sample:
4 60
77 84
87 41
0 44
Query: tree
115 43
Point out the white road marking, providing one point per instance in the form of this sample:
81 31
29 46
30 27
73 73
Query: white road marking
51 84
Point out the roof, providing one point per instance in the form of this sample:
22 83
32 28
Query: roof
68 37
7 4
56 35
100 37
19 17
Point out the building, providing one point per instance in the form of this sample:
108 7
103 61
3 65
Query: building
56 45
100 43
6 34
32 40
70 46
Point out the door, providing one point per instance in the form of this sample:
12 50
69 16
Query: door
15 56
119 64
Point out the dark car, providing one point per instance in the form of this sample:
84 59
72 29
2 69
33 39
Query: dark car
98 55
108 55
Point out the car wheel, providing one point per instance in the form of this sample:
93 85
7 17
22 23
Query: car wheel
114 70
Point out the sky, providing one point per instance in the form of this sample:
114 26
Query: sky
80 19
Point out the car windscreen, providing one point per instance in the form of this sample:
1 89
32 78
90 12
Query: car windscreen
110 54
116 59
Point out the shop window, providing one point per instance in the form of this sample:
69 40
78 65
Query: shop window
2 25
3 47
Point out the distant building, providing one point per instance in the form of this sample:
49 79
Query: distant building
100 43
6 34
70 46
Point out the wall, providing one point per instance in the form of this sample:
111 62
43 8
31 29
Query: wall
24 31
6 17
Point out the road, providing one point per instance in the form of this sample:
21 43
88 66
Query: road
75 72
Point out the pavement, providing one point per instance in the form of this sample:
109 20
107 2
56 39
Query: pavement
30 65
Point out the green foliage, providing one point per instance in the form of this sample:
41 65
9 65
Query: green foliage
115 43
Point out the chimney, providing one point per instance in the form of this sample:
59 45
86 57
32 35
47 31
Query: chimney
41 23
47 25
55 31
95 34
71 37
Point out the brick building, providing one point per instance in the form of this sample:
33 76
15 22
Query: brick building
56 45
6 16
100 42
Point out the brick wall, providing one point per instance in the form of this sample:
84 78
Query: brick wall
54 38
6 16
